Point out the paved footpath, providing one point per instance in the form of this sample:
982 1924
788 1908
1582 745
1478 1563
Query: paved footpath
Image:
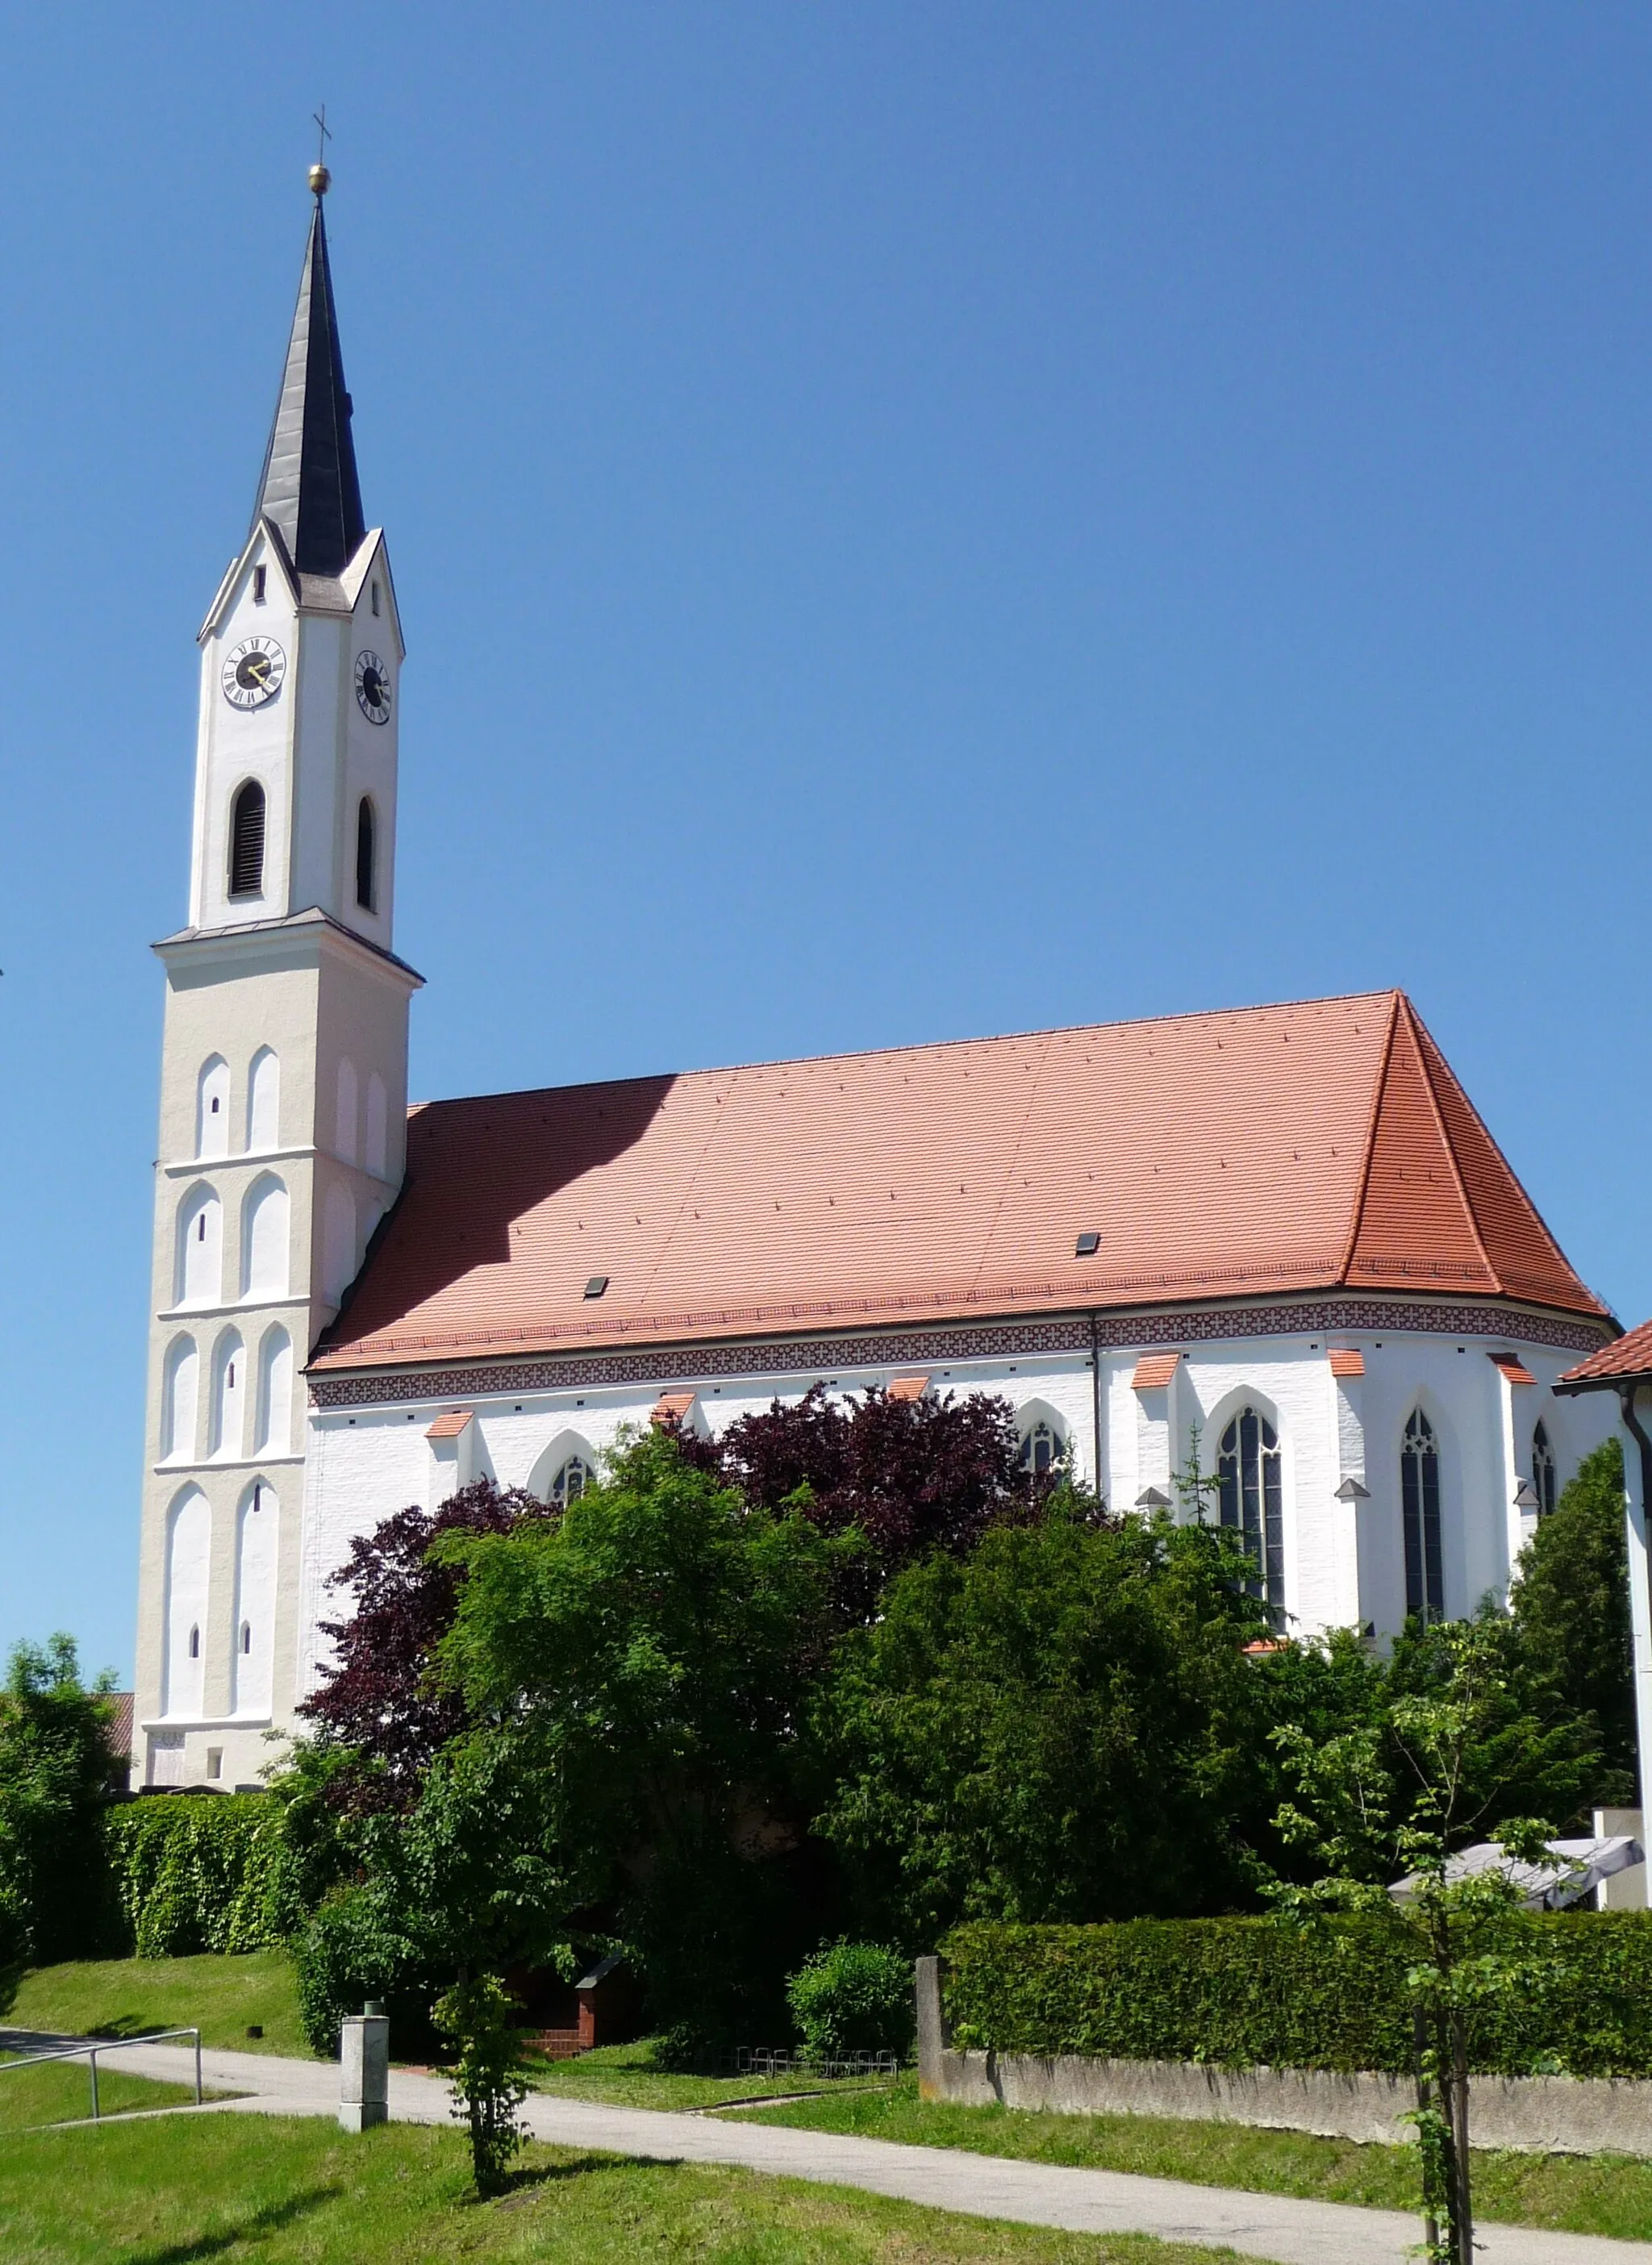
1272 2227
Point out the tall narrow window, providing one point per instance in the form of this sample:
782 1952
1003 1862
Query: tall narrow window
365 873
1420 1496
1252 1499
571 1481
260 576
1044 1451
246 841
1542 1471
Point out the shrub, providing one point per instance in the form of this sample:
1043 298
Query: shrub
203 1875
479 2019
1240 1992
346 1955
853 1997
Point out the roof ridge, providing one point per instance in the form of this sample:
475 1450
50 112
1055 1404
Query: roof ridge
1377 1091
924 1046
1419 1034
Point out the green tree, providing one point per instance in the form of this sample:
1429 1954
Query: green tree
647 1659
1571 1609
478 2019
1061 1726
56 1763
1383 1807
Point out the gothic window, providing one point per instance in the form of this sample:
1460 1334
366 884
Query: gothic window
367 868
1044 1451
228 1375
1252 1499
338 1244
1420 1497
275 1394
1542 1471
246 841
251 1662
571 1481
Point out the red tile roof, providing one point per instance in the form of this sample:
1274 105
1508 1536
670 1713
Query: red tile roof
1153 1371
1507 1365
450 1425
1631 1356
1346 1361
1263 1150
672 1407
908 1388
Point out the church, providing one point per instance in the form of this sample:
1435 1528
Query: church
1275 1244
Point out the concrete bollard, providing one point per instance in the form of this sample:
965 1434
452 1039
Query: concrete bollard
364 2066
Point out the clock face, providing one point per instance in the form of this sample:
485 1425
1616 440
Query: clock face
372 688
253 671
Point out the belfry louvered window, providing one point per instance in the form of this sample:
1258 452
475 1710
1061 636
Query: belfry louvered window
1252 1498
1420 1499
246 841
365 856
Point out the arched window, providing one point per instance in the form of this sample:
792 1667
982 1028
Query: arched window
378 1125
264 1101
1044 1451
338 1244
264 1239
212 1107
246 841
571 1482
275 1395
347 1112
199 1278
228 1384
1252 1499
1542 1471
367 849
188 1546
1420 1496
177 1402
251 1667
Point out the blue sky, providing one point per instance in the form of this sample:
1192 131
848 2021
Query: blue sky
911 520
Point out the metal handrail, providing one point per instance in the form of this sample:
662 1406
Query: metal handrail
108 2044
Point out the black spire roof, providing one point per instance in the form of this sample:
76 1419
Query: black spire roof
309 488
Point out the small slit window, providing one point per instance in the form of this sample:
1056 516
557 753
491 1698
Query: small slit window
365 856
246 1638
259 576
375 597
195 1643
246 841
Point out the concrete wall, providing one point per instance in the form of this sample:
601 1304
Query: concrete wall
1539 2115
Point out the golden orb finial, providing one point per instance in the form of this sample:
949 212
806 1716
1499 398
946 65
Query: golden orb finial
320 180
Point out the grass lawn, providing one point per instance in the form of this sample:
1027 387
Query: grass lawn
1571 2194
229 2188
120 1997
61 2092
627 2076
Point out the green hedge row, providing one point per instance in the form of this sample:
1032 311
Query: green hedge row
202 1875
1244 1992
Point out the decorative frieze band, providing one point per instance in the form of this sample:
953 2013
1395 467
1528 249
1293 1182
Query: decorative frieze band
996 1341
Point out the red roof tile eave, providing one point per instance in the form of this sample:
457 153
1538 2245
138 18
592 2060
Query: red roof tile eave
1627 1361
828 1319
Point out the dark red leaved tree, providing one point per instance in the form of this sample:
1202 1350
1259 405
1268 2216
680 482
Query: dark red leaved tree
375 1697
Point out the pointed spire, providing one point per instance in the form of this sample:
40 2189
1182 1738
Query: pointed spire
309 489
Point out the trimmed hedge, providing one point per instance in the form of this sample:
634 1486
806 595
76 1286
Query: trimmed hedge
195 1875
1244 1992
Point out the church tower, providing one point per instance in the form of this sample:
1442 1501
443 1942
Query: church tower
284 1069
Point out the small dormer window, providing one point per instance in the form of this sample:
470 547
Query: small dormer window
259 575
